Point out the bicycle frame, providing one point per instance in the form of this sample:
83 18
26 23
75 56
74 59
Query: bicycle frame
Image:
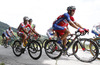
73 41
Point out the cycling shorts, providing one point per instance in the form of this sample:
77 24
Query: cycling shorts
20 34
6 35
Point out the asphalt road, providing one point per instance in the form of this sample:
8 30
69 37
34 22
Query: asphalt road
7 56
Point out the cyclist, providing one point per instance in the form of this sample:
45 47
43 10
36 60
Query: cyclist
8 34
96 29
60 25
22 32
33 27
51 33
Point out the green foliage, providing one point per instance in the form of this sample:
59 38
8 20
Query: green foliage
2 63
4 26
0 39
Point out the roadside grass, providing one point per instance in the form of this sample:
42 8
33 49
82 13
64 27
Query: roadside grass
2 63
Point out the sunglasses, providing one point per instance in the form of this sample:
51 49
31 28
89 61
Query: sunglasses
73 10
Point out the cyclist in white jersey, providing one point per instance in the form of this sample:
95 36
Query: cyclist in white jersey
8 33
96 29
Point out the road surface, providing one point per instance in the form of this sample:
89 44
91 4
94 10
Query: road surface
7 56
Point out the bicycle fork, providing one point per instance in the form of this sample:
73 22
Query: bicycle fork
83 48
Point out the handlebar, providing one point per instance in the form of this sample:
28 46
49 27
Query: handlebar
77 33
80 34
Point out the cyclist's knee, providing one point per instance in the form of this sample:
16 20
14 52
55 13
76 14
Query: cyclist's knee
67 31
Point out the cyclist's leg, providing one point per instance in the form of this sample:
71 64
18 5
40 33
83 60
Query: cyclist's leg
22 35
7 37
64 42
65 34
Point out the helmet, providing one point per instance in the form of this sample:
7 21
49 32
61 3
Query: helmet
26 18
33 25
30 20
71 8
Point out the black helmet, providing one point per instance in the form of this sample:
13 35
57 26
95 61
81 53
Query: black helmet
26 18
30 20
71 8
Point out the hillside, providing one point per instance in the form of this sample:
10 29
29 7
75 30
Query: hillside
4 26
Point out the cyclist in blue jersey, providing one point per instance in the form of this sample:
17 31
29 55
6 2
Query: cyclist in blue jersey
60 25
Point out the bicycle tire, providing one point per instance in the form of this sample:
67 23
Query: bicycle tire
40 42
44 43
54 45
13 47
35 49
83 59
96 39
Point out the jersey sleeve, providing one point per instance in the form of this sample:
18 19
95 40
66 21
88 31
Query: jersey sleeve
72 18
67 17
29 25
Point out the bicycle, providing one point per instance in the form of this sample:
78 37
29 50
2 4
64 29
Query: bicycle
33 47
10 42
97 40
53 50
37 38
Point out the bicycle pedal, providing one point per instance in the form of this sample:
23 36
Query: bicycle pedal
22 50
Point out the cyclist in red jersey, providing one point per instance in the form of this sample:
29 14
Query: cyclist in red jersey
33 27
60 25
22 32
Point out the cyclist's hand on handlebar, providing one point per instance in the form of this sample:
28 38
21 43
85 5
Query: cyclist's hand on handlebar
86 30
81 30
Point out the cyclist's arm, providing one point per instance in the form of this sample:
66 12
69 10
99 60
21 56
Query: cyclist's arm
33 29
73 25
77 24
13 33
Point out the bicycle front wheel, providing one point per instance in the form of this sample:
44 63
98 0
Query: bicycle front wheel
82 53
34 50
97 40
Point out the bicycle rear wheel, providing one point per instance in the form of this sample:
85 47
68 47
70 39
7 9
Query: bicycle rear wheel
82 54
97 40
52 50
34 50
16 47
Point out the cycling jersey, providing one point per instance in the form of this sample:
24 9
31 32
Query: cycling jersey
22 25
20 30
61 22
9 33
29 30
